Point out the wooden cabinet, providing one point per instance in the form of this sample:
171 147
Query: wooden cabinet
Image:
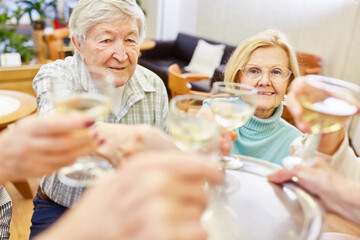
18 78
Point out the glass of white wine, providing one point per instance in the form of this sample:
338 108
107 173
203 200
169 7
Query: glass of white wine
195 130
327 104
191 130
93 99
233 104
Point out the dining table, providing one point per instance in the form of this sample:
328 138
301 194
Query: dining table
15 105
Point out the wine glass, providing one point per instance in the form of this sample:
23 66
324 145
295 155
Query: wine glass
233 104
191 130
195 130
327 104
93 99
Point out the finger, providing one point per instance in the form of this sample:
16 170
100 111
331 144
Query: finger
321 163
55 124
233 135
295 108
296 90
228 135
65 142
47 163
280 176
225 148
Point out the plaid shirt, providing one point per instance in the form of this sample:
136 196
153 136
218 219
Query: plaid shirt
5 213
145 101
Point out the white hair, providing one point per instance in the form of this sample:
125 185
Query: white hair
88 13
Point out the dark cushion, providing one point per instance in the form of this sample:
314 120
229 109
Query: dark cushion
179 51
160 66
201 85
218 74
185 46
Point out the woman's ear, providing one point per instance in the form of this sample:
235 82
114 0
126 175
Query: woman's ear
291 78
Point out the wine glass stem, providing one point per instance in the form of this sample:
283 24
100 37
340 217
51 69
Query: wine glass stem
310 147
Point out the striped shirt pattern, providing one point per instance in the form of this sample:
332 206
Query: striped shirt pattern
5 213
145 101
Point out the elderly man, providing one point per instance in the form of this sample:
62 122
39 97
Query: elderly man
106 34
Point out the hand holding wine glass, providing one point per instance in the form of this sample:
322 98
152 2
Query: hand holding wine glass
92 99
321 105
197 131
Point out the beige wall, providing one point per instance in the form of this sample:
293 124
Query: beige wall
328 28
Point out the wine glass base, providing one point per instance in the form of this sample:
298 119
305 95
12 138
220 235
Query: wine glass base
220 221
231 163
231 183
83 172
290 161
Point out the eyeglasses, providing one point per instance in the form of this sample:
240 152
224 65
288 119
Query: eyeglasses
276 74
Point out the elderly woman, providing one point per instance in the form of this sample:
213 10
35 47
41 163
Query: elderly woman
106 34
267 62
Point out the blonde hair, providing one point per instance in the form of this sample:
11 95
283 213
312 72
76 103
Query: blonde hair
267 38
88 13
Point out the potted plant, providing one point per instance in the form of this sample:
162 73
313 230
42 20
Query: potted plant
10 40
39 6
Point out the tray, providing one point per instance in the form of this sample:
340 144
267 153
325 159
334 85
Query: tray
269 211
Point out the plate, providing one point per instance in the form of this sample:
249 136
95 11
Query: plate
8 105
269 211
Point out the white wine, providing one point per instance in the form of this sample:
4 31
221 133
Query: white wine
328 115
230 114
94 105
193 134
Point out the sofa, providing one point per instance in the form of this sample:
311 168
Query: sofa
180 51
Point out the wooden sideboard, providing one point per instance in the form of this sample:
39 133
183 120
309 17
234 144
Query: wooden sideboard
19 78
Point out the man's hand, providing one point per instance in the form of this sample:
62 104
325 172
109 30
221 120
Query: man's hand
125 140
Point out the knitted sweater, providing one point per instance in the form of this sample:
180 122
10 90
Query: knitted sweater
267 139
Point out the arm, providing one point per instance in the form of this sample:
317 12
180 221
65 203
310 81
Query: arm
163 112
36 146
161 197
338 194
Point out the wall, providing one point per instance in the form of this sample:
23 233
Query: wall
328 28
153 8
165 18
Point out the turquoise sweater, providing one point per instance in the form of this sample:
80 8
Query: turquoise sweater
267 139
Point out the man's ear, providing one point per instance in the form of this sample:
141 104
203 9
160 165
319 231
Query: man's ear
77 44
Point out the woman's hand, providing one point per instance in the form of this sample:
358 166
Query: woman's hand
329 142
226 139
338 194
156 195
35 146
